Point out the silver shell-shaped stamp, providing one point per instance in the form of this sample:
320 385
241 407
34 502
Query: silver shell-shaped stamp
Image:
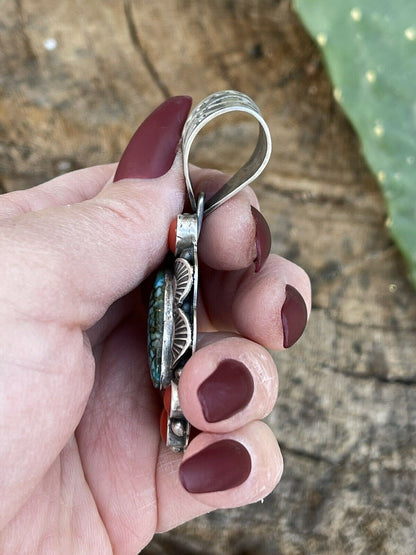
183 280
182 336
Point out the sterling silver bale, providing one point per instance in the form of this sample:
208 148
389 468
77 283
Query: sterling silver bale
172 320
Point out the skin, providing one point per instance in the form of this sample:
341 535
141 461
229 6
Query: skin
83 467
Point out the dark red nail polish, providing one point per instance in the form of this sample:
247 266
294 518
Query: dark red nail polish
294 316
222 465
226 391
263 239
152 149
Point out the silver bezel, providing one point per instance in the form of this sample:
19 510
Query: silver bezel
168 331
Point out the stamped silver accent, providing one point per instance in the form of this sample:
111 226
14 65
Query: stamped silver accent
183 279
182 336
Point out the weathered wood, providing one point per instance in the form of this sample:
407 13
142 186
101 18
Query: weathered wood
346 414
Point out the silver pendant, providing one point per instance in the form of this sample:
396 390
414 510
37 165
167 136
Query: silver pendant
172 320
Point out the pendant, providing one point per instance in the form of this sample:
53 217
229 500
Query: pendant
172 325
172 316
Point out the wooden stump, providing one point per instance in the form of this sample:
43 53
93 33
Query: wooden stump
77 77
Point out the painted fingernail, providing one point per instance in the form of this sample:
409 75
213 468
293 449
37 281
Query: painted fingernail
226 391
152 149
263 239
294 316
222 465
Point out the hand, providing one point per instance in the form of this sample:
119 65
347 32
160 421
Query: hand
82 465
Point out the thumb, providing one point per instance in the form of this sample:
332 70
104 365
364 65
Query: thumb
85 256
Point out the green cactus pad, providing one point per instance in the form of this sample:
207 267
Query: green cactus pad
370 51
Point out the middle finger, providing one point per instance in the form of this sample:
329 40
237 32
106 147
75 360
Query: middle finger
235 235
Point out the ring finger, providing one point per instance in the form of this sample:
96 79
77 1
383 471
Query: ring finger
229 382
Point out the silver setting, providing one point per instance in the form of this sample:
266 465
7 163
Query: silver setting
199 217
186 237
212 107
178 427
168 332
184 338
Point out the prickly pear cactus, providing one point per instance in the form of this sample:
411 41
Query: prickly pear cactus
370 51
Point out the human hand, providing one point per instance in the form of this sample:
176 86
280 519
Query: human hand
83 468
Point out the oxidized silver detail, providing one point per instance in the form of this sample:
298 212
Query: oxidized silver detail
182 336
183 279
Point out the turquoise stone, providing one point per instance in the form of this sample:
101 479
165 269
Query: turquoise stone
155 325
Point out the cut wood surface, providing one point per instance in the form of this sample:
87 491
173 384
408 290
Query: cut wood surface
77 77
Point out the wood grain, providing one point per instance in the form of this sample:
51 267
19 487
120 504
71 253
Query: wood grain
346 414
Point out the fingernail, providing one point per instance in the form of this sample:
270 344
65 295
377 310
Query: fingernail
152 149
263 239
226 391
222 465
294 316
